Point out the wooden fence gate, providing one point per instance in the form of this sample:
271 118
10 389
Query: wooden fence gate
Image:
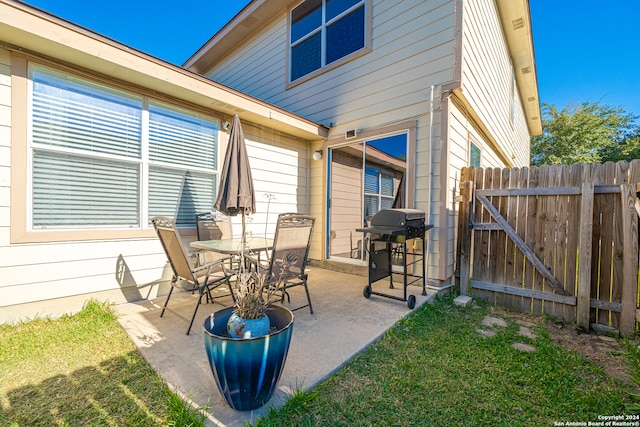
560 240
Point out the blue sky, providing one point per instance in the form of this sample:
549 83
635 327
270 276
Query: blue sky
586 50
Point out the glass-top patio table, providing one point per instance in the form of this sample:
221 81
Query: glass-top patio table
234 246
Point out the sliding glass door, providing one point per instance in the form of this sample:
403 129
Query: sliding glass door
364 177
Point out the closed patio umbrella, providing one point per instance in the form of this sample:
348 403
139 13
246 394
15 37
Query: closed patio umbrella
235 193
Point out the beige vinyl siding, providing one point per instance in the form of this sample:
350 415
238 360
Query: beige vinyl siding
116 270
461 134
57 278
279 167
424 190
5 145
346 198
412 49
35 276
486 78
521 136
417 35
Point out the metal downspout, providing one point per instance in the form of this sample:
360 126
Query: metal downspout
428 246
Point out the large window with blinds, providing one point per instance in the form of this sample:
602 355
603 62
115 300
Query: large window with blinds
106 158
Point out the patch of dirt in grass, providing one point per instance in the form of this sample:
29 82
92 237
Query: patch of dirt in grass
601 350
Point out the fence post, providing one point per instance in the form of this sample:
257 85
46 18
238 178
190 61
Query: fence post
583 308
465 236
629 259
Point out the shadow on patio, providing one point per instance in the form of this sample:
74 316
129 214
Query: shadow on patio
343 324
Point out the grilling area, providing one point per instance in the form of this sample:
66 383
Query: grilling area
344 323
389 239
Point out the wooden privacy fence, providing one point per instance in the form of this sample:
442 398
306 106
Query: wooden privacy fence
559 240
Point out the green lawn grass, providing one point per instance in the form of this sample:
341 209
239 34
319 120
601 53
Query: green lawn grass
82 370
434 369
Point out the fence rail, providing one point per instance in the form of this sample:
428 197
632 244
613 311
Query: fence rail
560 240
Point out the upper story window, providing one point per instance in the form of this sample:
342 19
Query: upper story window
475 155
324 31
103 158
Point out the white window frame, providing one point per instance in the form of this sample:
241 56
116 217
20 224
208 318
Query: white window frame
324 67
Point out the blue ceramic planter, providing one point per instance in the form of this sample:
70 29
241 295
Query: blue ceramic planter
247 370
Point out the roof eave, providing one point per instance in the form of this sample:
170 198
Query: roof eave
28 29
254 16
516 24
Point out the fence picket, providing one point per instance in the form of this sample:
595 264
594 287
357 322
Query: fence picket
495 269
532 223
539 249
621 178
548 225
597 178
585 263
480 265
629 276
609 203
562 213
550 228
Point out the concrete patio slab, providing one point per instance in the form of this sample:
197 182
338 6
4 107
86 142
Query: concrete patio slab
343 324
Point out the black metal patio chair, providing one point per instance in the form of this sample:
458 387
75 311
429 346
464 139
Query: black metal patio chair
189 274
289 255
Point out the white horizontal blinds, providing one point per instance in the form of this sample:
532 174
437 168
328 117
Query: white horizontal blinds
180 194
87 162
70 190
86 145
182 150
78 115
197 196
371 189
378 190
181 139
386 191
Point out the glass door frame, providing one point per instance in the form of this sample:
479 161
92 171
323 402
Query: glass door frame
362 142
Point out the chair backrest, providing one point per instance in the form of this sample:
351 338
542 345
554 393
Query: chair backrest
173 248
291 245
210 227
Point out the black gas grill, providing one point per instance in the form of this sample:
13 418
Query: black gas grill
387 246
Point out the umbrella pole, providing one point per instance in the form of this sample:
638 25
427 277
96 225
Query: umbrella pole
243 241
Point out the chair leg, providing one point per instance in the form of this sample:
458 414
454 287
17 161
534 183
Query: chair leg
306 289
233 296
201 294
164 307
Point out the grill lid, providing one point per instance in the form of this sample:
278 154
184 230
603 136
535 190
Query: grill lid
397 218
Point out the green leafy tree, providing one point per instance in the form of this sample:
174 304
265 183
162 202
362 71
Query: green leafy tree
585 133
